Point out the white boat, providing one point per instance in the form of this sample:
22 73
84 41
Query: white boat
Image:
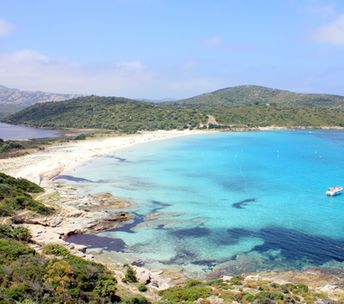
332 191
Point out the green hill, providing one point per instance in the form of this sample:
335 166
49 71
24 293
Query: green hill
114 113
251 94
244 106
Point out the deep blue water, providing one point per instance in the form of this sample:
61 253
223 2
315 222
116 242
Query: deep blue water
238 201
8 131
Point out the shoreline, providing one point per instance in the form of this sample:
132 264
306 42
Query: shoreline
78 214
42 166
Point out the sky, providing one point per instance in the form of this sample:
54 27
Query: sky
159 49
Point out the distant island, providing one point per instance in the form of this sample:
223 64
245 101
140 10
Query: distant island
236 107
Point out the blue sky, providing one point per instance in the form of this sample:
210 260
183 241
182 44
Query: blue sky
171 48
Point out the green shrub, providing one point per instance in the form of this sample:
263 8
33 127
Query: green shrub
18 233
130 275
38 207
236 280
5 209
56 249
80 137
269 295
248 298
105 288
18 292
303 288
10 250
193 282
8 146
142 288
136 300
182 293
22 234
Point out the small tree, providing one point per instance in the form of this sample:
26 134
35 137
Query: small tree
130 275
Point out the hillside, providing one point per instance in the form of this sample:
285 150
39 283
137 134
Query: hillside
114 113
12 100
245 106
251 94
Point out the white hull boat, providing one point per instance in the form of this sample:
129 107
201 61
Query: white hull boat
332 191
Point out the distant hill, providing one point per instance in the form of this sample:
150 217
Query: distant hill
13 100
115 113
244 106
251 94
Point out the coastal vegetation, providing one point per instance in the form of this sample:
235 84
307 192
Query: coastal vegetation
54 275
25 274
10 145
242 290
15 195
246 106
114 113
14 148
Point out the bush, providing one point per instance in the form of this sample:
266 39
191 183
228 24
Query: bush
136 300
18 292
18 233
270 295
10 250
142 288
191 283
248 298
178 294
130 275
22 234
55 249
236 280
80 137
105 288
303 288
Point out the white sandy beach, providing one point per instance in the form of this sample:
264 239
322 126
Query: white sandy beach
40 167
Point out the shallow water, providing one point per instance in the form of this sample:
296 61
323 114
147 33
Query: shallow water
14 132
244 201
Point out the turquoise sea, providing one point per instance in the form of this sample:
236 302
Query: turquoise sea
229 202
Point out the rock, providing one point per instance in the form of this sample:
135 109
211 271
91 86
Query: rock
328 288
143 275
27 219
95 251
227 278
55 221
212 300
81 248
256 277
109 221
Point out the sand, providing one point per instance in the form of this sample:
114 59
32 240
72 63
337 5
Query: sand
40 167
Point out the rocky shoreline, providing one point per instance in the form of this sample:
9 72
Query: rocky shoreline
79 214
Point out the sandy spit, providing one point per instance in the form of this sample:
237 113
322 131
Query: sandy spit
40 167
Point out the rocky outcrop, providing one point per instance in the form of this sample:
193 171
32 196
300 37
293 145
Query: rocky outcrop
108 222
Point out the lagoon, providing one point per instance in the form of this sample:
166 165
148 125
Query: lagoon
229 202
13 132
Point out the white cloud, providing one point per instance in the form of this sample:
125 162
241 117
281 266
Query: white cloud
212 41
134 65
331 33
188 65
30 70
321 9
5 28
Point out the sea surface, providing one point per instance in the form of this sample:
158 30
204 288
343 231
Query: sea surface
14 132
227 202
